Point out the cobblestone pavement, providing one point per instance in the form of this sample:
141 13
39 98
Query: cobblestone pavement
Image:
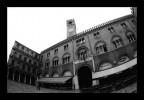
16 87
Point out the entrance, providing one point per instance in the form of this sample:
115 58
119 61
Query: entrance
84 77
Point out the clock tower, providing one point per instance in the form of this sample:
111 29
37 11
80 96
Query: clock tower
71 28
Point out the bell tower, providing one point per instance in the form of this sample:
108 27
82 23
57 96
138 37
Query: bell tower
71 28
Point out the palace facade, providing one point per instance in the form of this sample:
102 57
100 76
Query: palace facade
104 54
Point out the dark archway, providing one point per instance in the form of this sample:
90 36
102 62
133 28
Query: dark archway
11 72
22 77
16 76
27 79
32 80
85 77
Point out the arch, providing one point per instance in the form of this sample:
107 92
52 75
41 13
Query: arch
33 80
11 73
67 73
55 61
16 75
101 47
123 58
130 36
66 58
105 65
55 74
22 77
82 47
84 77
117 38
27 79
46 75
47 63
84 65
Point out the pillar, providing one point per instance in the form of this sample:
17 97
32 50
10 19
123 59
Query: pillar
8 74
75 82
93 64
25 79
19 78
13 75
30 80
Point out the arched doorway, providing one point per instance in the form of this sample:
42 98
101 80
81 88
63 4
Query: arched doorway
11 72
16 76
22 77
84 77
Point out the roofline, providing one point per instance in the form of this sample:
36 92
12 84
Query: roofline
26 46
89 30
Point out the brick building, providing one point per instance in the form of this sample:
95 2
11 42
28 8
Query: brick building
104 54
94 56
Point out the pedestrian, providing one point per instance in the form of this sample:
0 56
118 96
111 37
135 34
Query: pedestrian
37 85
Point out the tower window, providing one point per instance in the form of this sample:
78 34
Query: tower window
96 35
30 61
66 47
111 29
25 58
70 22
117 41
56 51
66 59
20 56
123 25
131 37
133 21
101 48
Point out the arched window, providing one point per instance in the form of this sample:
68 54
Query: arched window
66 58
55 61
105 65
55 75
101 48
82 54
47 63
123 59
67 73
130 36
117 41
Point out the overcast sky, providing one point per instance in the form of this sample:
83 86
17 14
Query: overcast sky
41 27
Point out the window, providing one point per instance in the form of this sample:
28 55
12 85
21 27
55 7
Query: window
122 59
22 48
111 29
55 62
66 47
25 58
131 36
27 50
117 41
23 66
123 25
30 61
101 48
66 58
47 64
17 45
133 21
96 35
80 41
56 51
48 54
105 66
28 69
82 54
15 53
34 62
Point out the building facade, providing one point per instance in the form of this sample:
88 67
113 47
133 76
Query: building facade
104 54
23 64
94 54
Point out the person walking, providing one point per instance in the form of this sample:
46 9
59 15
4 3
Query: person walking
39 85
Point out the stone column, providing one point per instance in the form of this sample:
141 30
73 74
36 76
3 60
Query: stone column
75 81
93 64
30 80
25 79
13 75
19 78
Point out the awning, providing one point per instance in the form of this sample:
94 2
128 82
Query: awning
54 80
